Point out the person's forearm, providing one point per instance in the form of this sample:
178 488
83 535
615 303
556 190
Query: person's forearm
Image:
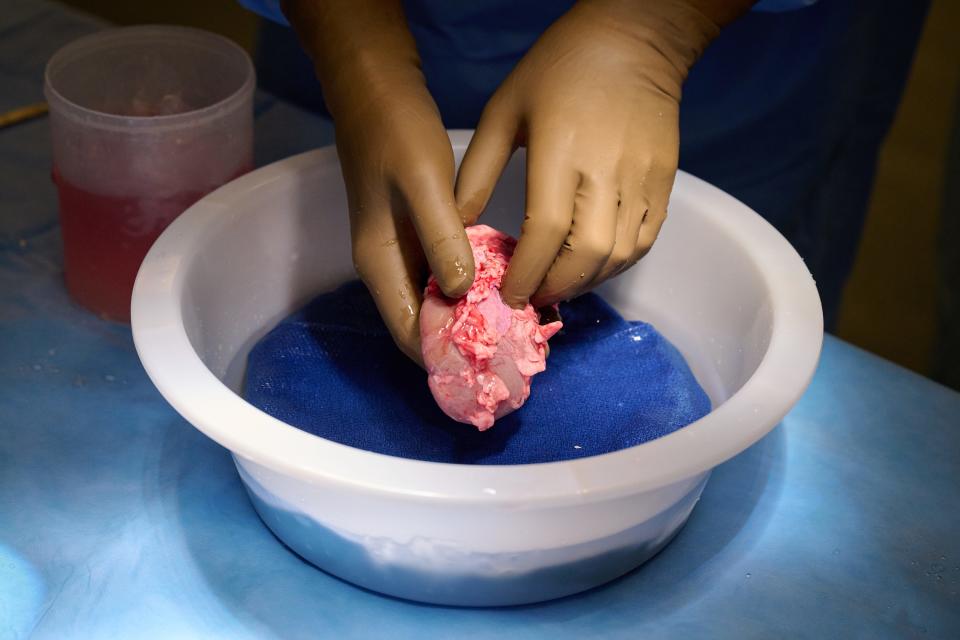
354 42
677 30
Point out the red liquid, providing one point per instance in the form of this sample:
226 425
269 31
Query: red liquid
105 238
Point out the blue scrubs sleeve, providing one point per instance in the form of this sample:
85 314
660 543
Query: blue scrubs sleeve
269 9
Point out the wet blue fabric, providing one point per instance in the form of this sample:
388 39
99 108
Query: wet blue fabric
331 369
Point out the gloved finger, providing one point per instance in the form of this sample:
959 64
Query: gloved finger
428 194
551 190
650 225
658 187
549 314
587 247
633 207
487 154
649 231
389 262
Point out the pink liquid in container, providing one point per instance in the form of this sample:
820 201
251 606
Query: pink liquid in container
144 122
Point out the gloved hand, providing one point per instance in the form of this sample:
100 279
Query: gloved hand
595 102
395 156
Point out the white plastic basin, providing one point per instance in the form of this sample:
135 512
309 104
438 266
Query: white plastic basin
720 283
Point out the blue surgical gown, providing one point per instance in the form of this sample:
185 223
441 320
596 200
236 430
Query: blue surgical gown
786 110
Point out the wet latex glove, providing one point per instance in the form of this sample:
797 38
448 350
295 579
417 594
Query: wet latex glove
395 155
595 102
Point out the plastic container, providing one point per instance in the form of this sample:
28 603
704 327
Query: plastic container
720 283
144 122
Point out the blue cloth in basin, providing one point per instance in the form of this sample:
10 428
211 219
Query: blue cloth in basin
332 370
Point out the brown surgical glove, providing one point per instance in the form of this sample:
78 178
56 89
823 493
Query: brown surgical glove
595 102
394 152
